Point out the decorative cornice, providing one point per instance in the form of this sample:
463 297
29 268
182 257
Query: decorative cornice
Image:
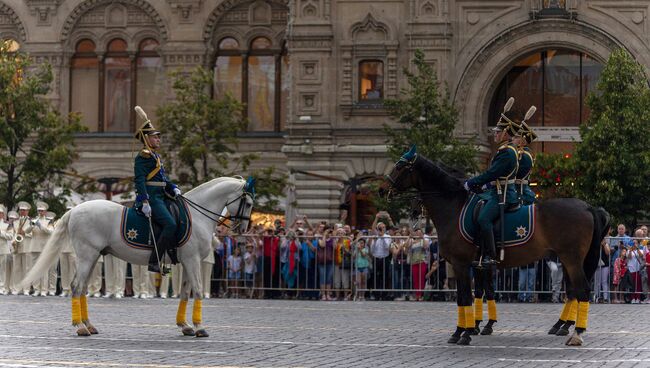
44 10
6 9
82 8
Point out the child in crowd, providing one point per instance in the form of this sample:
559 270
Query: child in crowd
362 259
250 263
234 270
620 268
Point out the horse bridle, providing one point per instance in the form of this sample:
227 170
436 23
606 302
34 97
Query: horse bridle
399 165
221 219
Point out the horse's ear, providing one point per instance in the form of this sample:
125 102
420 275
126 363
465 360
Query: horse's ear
410 154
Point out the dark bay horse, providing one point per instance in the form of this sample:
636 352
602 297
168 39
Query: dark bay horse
441 190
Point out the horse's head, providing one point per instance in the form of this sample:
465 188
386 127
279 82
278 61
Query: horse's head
242 206
402 176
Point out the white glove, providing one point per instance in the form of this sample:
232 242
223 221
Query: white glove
177 191
466 186
146 209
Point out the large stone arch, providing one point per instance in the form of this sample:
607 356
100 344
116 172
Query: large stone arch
481 75
8 20
221 9
87 5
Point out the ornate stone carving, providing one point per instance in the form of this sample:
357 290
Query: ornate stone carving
309 103
185 9
474 16
309 72
92 12
631 16
310 8
10 23
278 14
259 13
183 59
369 29
44 10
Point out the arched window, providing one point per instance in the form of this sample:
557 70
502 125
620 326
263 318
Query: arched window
557 82
106 91
258 78
84 75
150 78
117 87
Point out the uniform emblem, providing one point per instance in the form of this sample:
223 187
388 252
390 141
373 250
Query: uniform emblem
132 234
521 231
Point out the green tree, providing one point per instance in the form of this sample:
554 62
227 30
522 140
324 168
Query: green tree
554 175
203 134
426 117
614 156
36 142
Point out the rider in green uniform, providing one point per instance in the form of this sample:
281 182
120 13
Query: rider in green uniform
499 179
151 187
524 137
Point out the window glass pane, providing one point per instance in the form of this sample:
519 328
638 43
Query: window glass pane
562 88
371 80
261 93
117 45
117 93
150 85
85 92
228 43
284 98
85 46
555 4
148 44
261 43
591 70
227 76
524 83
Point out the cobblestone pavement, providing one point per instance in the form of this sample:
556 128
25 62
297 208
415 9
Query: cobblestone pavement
36 332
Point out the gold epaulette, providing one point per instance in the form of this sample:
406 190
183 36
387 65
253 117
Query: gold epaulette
145 153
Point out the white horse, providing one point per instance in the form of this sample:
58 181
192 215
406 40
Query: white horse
93 228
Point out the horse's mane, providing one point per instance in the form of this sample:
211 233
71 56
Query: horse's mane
448 178
215 181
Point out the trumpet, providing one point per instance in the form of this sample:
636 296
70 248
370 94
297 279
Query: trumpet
18 238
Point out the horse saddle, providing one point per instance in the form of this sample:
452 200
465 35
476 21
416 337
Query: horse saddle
136 231
519 223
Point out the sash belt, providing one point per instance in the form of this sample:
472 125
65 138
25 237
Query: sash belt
502 182
155 183
521 181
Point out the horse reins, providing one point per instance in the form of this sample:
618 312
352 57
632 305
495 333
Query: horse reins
221 219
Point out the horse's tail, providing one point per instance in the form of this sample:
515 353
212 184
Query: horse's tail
50 252
601 228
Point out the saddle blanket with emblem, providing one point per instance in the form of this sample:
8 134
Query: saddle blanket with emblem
135 229
519 225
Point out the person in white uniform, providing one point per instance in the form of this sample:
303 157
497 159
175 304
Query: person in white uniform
95 280
25 259
12 216
6 259
141 282
115 276
41 231
207 264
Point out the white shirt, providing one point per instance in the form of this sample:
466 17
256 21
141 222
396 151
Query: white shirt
634 259
249 264
381 246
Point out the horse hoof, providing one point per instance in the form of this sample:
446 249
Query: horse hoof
464 339
92 330
202 333
188 331
83 331
487 330
562 331
575 340
553 330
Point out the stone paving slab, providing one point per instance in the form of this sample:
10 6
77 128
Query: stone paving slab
36 332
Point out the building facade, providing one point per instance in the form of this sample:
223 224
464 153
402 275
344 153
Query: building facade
313 73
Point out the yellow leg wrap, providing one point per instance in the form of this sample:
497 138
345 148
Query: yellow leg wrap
566 310
83 301
76 311
492 310
196 311
461 317
573 312
469 317
583 314
478 309
180 314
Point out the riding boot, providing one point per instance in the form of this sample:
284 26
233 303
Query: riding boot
153 262
489 249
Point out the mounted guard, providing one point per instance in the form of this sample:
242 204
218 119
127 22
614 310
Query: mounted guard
525 136
500 179
153 187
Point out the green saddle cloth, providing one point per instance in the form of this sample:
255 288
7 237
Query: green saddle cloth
135 229
519 225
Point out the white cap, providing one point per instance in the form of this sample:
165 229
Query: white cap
41 206
13 215
22 205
